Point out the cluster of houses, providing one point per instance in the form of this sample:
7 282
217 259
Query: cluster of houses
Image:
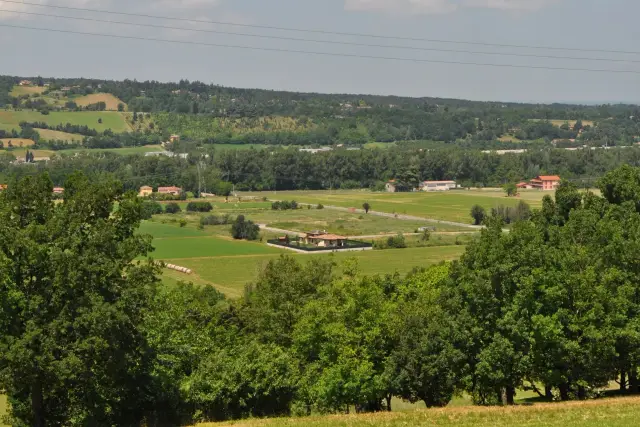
146 191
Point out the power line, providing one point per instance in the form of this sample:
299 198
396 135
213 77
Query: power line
319 53
333 42
327 32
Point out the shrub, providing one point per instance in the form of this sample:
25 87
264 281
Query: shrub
284 205
150 208
392 242
478 214
215 220
521 212
320 206
199 207
172 208
244 229
183 223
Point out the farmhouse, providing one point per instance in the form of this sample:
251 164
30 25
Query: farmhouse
390 186
25 83
58 190
174 138
438 185
145 191
3 187
545 182
170 190
524 185
323 240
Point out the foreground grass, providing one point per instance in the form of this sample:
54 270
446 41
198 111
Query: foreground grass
3 408
621 412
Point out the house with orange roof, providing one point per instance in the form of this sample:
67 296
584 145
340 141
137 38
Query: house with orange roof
324 240
545 182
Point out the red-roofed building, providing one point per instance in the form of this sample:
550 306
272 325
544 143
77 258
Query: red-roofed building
546 182
170 190
58 190
3 187
324 240
524 185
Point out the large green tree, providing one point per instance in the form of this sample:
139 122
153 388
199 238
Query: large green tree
72 297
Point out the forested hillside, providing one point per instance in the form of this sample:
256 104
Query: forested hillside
216 114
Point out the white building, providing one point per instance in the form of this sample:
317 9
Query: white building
438 185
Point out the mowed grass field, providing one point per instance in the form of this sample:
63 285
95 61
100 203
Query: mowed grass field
621 412
110 119
17 142
230 274
125 151
55 135
26 90
447 205
111 100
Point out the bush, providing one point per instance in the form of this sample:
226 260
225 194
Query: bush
244 229
393 242
478 214
320 206
150 208
172 208
215 220
183 223
199 207
521 212
284 205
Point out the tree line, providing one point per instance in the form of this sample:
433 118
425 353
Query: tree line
287 169
88 337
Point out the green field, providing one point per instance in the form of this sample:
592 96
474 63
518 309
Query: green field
622 412
54 135
449 205
231 273
110 120
26 90
125 151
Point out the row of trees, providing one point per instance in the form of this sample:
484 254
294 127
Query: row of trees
293 170
86 337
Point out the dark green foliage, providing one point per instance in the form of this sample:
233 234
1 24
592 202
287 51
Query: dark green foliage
284 205
150 208
478 214
508 214
244 229
366 206
72 301
215 220
510 189
199 207
392 242
172 208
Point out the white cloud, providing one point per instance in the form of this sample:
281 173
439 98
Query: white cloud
518 5
416 7
402 6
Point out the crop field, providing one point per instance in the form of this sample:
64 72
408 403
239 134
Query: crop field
342 223
17 142
110 120
231 273
3 407
109 99
448 206
621 412
27 90
21 152
124 151
55 135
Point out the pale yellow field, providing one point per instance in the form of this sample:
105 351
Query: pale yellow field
27 90
17 142
111 101
51 135
571 122
38 154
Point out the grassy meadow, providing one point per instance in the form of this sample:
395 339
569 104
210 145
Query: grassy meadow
109 99
3 408
124 151
27 90
110 120
448 205
17 142
621 412
56 135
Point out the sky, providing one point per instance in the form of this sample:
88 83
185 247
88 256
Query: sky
581 26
